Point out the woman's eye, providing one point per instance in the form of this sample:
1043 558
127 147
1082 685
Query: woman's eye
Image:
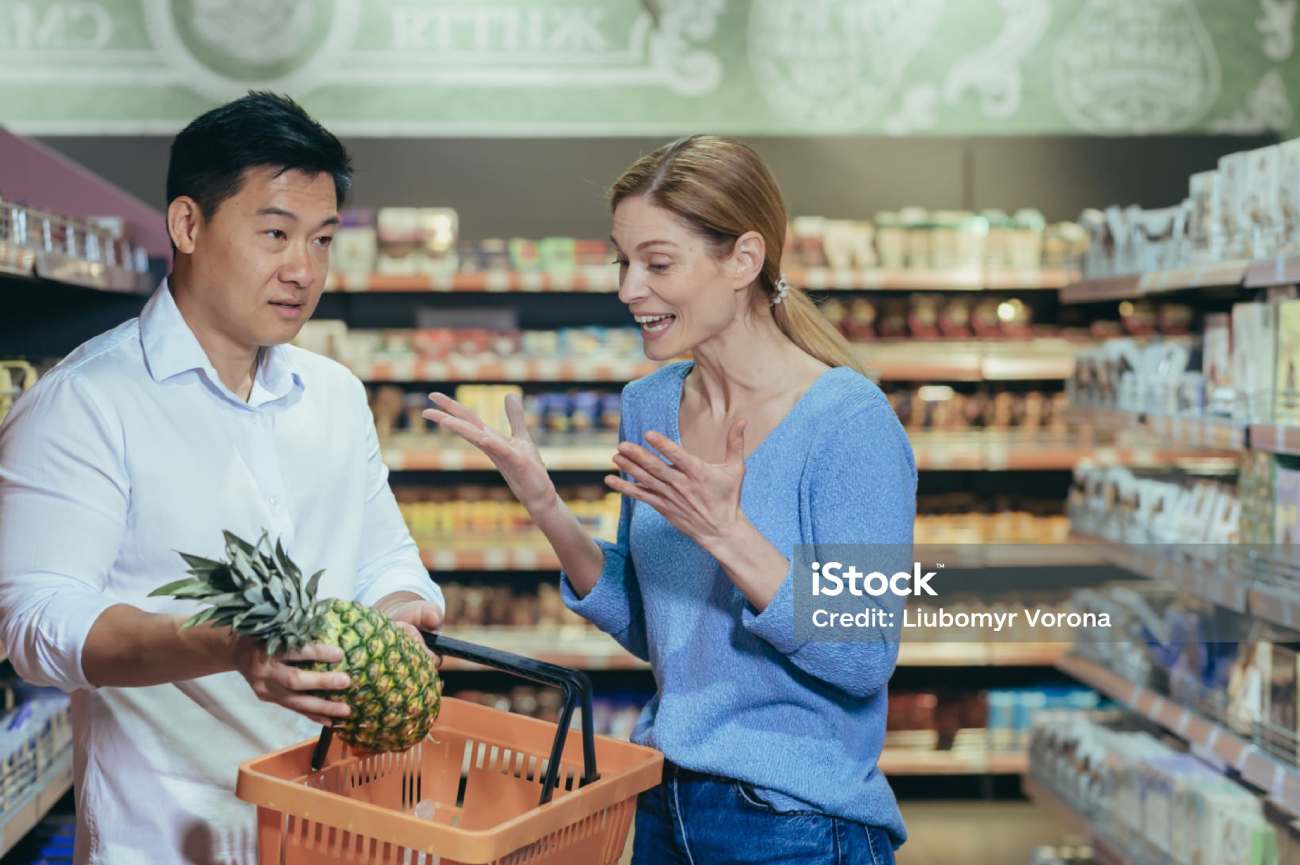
276 234
659 268
326 240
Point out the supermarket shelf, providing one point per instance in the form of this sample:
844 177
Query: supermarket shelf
976 452
902 761
918 654
1043 796
1192 432
23 817
1204 276
1276 438
606 281
498 557
1269 600
969 360
910 360
967 279
1280 270
602 282
512 370
963 453
56 269
583 648
1010 455
1280 781
589 457
1135 286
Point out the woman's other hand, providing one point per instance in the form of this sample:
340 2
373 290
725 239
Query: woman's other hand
701 499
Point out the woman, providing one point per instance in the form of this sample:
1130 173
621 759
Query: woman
769 438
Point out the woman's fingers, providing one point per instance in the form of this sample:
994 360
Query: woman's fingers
637 492
683 460
455 409
648 464
515 414
484 438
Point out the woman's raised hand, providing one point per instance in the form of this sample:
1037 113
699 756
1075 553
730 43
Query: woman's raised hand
516 457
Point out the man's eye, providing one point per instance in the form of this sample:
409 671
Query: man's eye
276 234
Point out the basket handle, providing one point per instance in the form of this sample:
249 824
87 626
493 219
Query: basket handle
574 684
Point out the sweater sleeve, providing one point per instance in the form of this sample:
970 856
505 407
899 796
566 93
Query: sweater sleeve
859 489
614 603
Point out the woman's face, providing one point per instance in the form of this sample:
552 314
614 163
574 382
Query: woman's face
679 291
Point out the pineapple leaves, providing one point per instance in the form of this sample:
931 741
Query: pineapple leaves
200 617
313 584
258 590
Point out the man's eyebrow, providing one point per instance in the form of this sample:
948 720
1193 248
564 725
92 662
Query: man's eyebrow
289 214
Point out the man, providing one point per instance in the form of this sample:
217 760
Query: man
195 418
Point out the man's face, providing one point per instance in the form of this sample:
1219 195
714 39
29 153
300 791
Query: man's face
259 264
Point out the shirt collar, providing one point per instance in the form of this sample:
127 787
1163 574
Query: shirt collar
171 348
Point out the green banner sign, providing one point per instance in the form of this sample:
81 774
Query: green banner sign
616 67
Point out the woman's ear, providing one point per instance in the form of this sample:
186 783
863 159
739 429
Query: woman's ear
747 257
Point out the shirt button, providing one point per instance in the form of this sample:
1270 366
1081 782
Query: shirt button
275 502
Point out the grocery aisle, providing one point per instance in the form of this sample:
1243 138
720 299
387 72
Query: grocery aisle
1080 303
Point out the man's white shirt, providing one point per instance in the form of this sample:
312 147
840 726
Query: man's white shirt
128 451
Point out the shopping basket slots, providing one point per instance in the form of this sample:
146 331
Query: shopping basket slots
485 786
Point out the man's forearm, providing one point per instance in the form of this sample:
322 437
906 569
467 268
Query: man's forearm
127 647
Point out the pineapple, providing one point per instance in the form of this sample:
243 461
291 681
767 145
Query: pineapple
395 692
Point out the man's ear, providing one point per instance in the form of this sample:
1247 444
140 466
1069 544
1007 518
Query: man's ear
184 222
747 257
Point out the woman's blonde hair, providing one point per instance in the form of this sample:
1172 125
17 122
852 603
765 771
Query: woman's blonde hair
722 189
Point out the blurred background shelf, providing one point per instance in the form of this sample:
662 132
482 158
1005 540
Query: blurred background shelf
17 821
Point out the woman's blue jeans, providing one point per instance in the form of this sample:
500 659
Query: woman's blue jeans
694 819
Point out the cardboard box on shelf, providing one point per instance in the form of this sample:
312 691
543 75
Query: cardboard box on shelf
1286 377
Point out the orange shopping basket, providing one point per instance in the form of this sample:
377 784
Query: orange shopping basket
485 786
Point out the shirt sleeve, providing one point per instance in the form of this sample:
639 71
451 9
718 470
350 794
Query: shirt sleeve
614 603
64 499
390 559
860 490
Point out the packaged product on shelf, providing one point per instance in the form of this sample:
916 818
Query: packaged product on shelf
1254 355
16 376
1257 489
1234 204
1286 383
860 323
955 318
1286 508
356 243
891 241
1289 184
438 230
808 241
1262 205
594 257
840 243
1281 731
1205 227
556 254
1216 364
1025 250
398 236
524 256
919 232
923 316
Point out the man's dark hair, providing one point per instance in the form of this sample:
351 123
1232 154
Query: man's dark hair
260 130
